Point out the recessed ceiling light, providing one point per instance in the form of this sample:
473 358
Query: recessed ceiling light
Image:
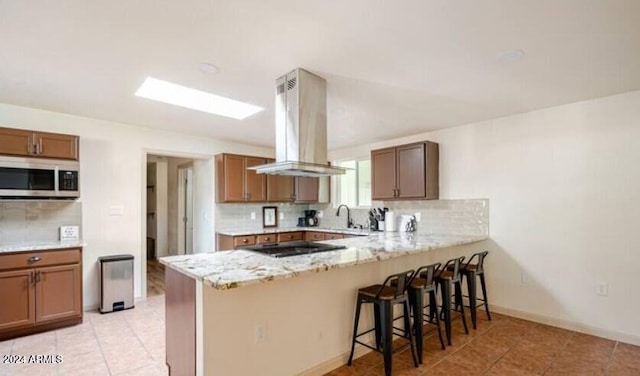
208 68
510 55
167 92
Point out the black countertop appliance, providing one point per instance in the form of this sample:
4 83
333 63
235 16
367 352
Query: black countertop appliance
310 219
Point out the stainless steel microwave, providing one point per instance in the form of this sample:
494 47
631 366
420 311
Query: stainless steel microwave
30 178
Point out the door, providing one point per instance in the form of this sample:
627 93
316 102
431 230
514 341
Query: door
383 174
185 209
255 183
233 178
306 189
280 188
58 292
16 142
18 299
410 171
58 146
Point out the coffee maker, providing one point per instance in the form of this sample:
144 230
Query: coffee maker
310 219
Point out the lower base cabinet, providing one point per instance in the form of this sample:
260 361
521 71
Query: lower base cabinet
40 291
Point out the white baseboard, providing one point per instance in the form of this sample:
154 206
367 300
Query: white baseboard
569 325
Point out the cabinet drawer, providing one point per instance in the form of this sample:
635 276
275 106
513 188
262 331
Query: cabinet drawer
269 238
239 241
314 236
331 236
289 236
37 259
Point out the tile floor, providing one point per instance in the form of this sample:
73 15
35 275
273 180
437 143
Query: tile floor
130 342
509 346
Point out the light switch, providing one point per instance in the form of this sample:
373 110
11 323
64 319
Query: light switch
116 210
253 216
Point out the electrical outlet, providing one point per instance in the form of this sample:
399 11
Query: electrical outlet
253 216
418 216
319 214
281 215
602 289
261 333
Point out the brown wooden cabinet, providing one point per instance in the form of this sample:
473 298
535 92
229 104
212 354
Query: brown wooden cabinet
40 291
405 172
312 236
26 143
299 189
230 242
236 183
306 189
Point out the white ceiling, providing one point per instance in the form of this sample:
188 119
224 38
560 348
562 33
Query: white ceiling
394 68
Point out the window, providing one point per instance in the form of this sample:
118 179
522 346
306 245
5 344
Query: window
354 187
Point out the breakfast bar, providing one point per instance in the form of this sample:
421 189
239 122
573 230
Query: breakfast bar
241 312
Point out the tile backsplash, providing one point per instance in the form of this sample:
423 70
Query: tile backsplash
37 221
237 217
437 216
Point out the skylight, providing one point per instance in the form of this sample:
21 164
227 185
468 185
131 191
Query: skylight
167 92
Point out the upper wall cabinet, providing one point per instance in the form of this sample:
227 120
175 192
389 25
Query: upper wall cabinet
25 143
282 188
405 172
236 183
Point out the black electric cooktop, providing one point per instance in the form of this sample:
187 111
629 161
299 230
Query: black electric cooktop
293 248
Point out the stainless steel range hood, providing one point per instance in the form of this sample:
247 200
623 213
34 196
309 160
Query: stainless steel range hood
301 127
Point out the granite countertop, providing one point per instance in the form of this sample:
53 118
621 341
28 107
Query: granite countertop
348 231
231 269
40 246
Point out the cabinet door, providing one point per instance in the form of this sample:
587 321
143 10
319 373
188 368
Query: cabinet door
59 146
332 236
256 184
306 189
18 299
280 188
410 180
16 142
383 174
290 236
311 236
58 292
233 179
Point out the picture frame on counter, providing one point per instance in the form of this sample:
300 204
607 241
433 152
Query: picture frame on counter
269 216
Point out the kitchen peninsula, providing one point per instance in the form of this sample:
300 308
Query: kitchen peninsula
244 313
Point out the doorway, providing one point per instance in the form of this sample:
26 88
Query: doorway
169 212
185 209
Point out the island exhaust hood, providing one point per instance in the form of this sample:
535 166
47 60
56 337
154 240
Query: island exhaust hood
301 127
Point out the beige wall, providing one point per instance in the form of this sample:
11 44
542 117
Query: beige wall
113 167
307 320
563 185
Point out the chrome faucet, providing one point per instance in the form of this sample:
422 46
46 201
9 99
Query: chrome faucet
349 221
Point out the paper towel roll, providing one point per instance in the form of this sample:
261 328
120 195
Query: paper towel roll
390 221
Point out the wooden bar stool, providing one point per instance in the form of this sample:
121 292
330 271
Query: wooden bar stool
471 271
445 277
384 297
424 283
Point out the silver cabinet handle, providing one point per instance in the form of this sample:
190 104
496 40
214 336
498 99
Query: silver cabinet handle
34 259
